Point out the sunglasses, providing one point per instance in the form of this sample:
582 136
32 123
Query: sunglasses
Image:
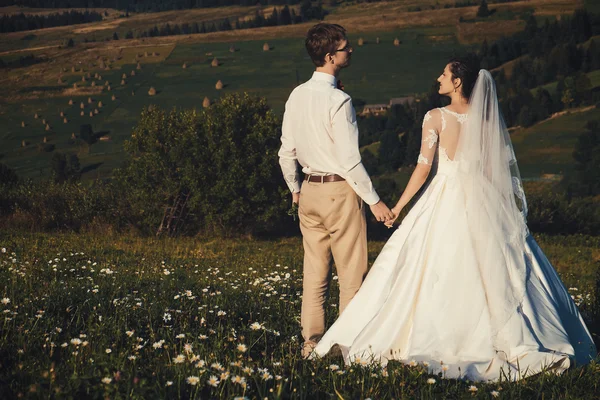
348 47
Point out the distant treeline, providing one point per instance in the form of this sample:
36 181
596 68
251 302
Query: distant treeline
554 52
140 6
23 61
22 22
457 4
283 17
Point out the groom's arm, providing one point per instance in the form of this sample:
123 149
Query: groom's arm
345 136
287 156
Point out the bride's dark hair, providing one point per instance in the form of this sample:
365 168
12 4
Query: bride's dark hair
467 69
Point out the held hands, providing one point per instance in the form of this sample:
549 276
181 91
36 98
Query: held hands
390 223
381 212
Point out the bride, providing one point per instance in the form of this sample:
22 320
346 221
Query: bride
461 285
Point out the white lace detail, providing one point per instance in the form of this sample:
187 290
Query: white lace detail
443 121
422 160
432 138
461 118
426 118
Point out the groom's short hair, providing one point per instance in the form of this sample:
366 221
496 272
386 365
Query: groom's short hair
322 39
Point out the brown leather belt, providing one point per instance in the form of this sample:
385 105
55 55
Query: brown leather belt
323 179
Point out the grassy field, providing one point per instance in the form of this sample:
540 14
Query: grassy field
547 147
100 316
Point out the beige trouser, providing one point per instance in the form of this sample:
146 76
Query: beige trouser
333 223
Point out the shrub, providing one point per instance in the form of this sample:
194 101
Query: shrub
226 158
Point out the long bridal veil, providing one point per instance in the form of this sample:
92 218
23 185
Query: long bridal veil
495 202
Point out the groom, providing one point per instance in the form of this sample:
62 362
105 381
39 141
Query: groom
320 133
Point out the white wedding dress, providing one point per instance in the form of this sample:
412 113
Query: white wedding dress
430 298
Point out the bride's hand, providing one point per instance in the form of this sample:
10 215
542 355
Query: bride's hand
390 222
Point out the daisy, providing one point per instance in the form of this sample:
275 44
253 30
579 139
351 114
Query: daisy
192 380
242 348
472 388
213 381
179 359
431 381
106 380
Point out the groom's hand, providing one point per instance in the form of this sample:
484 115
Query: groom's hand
381 212
296 198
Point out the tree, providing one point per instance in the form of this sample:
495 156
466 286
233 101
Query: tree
8 176
86 133
483 11
224 156
390 151
65 167
586 181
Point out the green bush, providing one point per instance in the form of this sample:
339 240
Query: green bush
225 156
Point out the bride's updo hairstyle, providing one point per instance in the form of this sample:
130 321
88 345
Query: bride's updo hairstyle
467 69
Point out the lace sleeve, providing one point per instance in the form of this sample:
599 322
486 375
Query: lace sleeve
429 140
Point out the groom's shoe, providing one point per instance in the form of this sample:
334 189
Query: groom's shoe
307 349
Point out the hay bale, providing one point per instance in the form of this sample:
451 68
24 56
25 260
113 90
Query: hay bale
22 124
377 40
72 69
132 72
132 93
152 91
113 98
266 47
23 143
83 79
206 102
154 54
145 54
65 121
124 76
397 42
232 49
71 102
106 83
99 104
74 86
90 100
62 114
82 113
91 114
93 84
99 77
47 127
184 66
81 105
108 88
123 81
219 85
60 81
96 75
96 111
44 121
73 136
45 140
36 116
215 62
361 41
88 75
139 66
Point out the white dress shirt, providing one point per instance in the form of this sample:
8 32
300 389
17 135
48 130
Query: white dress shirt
320 132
